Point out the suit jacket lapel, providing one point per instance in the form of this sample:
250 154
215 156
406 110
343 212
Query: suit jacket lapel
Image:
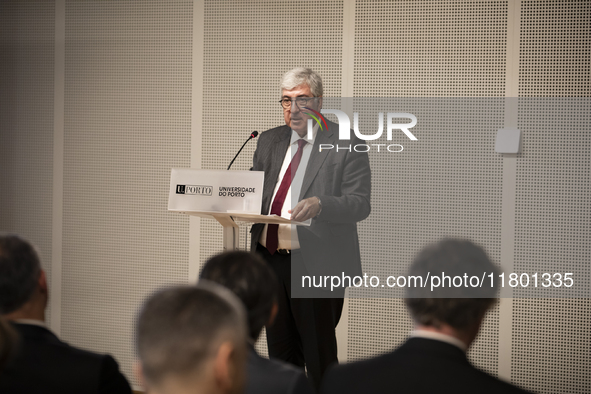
277 152
317 157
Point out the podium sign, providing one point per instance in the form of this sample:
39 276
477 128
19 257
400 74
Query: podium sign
222 195
215 191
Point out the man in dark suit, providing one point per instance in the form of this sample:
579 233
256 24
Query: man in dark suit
249 277
433 359
43 363
332 188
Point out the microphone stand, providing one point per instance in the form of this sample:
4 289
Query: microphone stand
253 135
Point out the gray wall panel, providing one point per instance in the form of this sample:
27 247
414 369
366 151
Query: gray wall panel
551 337
127 122
26 123
449 182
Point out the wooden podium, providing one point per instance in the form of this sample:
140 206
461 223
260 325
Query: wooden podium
225 196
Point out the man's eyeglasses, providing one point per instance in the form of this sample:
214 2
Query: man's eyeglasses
301 102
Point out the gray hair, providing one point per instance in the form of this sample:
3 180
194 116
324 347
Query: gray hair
459 307
179 329
300 75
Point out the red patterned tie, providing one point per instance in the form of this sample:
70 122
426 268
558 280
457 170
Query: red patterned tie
272 229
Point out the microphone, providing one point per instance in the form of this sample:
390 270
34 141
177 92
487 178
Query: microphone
252 135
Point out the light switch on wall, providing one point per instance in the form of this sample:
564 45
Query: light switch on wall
508 141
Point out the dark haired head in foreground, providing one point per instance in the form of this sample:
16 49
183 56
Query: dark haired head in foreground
43 363
21 278
249 277
251 280
192 339
447 321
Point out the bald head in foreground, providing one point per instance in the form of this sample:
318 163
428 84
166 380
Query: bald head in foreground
192 339
447 321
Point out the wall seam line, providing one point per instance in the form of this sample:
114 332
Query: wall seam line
509 191
58 166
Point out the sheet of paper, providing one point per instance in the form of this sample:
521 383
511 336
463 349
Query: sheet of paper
268 218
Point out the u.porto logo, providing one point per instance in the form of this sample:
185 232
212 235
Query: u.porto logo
194 190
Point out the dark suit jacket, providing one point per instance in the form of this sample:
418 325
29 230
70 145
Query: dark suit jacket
418 366
44 364
342 181
266 376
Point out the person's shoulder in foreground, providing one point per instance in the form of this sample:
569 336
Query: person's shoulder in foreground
42 363
269 376
418 366
447 321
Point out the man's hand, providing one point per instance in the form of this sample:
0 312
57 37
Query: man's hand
305 209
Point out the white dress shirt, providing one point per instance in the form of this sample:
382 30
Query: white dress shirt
32 322
287 238
439 337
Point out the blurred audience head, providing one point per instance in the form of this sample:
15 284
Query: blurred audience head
23 285
302 76
253 282
459 308
192 339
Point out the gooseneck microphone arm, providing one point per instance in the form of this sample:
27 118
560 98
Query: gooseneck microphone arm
253 135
